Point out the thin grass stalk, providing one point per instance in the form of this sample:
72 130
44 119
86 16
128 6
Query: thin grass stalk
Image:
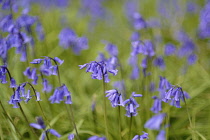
26 119
7 116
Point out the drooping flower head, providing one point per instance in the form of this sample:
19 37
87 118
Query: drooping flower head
131 105
174 96
99 70
115 97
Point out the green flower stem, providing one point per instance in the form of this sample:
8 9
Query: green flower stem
39 104
105 111
120 126
70 114
130 127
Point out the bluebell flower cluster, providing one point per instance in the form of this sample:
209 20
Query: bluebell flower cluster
21 95
69 39
18 31
144 136
40 125
61 94
99 70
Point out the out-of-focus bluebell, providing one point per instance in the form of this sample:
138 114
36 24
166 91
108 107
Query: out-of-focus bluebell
169 49
144 136
161 135
138 21
159 62
204 24
192 59
71 137
157 105
155 122
135 36
69 39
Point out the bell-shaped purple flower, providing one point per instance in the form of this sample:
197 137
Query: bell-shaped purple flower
115 97
131 105
157 105
161 135
159 62
154 123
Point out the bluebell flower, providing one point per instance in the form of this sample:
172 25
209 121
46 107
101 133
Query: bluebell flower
47 67
46 86
149 48
31 74
159 62
135 36
13 83
115 97
131 105
69 39
71 137
61 94
161 135
135 72
138 21
204 21
192 59
112 49
164 86
145 136
40 125
39 31
154 123
169 49
96 138
98 70
157 105
174 95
